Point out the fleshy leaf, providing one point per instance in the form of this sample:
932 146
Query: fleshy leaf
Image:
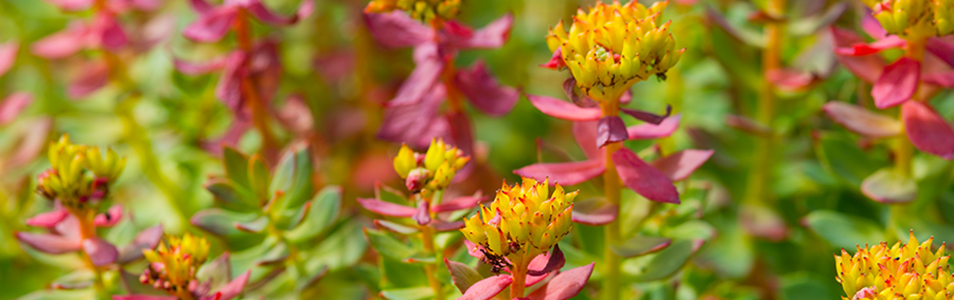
387 208
861 121
897 84
100 251
649 131
49 243
555 261
211 27
463 275
146 239
321 215
232 289
492 36
395 227
199 68
594 212
63 43
423 213
487 288
643 178
943 49
13 105
641 245
927 130
564 110
48 219
678 166
459 203
670 260
890 187
421 81
556 61
585 135
387 246
945 79
869 68
648 117
763 222
397 29
610 130
484 92
568 173
861 49
72 5
256 8
565 285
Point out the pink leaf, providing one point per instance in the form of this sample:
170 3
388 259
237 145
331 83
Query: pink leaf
595 212
568 173
63 43
229 87
862 49
441 226
8 55
201 6
100 251
927 130
945 79
72 5
146 239
868 68
539 263
643 178
199 68
790 79
109 35
256 8
49 243
416 124
492 36
423 213
610 130
387 208
555 261
647 131
422 80
211 27
460 203
110 217
13 105
872 27
232 289
564 110
94 76
462 136
397 29
484 92
556 61
897 84
861 121
564 286
487 288
678 166
585 135
942 48
48 219
144 297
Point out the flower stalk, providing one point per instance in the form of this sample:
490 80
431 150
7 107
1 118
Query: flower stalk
612 188
761 174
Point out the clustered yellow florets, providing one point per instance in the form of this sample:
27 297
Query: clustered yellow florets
431 171
523 221
422 10
902 271
79 175
613 46
178 261
916 19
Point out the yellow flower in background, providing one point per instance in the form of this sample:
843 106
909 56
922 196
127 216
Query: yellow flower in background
902 271
433 170
68 178
612 46
422 10
914 19
523 221
180 259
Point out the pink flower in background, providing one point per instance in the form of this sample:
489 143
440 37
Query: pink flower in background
113 5
12 105
414 116
215 21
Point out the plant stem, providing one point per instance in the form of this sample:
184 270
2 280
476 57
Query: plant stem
611 188
249 89
85 217
519 275
427 236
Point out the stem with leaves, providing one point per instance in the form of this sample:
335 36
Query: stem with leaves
612 187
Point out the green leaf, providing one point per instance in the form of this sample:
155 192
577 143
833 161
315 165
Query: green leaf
219 221
62 295
889 186
842 230
398 274
293 176
231 196
342 248
669 261
388 246
845 159
323 212
463 275
236 166
641 245
415 293
258 177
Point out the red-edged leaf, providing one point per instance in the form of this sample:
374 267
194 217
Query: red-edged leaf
927 130
146 239
63 43
890 187
423 213
641 245
585 135
487 288
556 61
861 121
643 178
49 243
790 79
564 286
422 80
492 36
95 75
568 173
8 55
862 49
463 275
564 110
897 84
48 219
397 29
555 261
100 251
232 289
610 130
945 79
459 203
387 208
110 217
211 27
869 68
678 166
484 92
594 212
647 131
13 105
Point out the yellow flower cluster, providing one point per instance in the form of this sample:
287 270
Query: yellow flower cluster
613 46
69 177
431 171
902 271
180 261
914 19
423 10
523 221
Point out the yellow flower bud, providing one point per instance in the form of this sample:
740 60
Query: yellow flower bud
179 258
914 19
404 162
881 272
422 10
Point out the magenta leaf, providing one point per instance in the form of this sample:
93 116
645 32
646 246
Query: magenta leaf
568 173
256 8
201 6
63 43
538 263
423 213
199 68
564 110
862 49
49 243
442 226
422 80
594 212
897 84
569 89
110 217
48 219
232 289
487 288
643 178
492 36
555 261
647 116
13 105
610 130
229 87
460 203
888 186
585 135
211 27
943 49
100 251
564 286
862 121
790 79
484 92
872 27
648 131
110 35
8 55
146 239
397 29
927 130
678 166
94 77
416 124
387 208
869 68
945 79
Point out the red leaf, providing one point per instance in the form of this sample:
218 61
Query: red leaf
397 29
484 92
199 68
564 110
585 135
50 243
564 286
943 48
416 124
556 61
100 251
594 212
945 79
868 68
423 213
487 288
424 77
678 166
256 8
610 130
555 261
861 121
648 131
862 49
211 27
643 178
72 5
110 217
927 130
568 173
232 289
492 36
387 208
897 84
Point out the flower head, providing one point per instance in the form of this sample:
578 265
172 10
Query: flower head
613 46
433 170
421 10
80 175
902 270
173 266
914 18
523 221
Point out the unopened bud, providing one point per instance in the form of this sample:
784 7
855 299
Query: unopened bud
417 179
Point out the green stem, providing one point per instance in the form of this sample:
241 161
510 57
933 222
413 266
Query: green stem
612 188
427 236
